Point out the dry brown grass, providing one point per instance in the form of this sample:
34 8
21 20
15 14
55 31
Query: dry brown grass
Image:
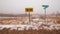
58 21
41 31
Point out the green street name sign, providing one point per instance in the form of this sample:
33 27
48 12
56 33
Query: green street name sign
45 6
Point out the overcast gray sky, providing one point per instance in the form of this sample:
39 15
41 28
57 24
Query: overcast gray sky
18 6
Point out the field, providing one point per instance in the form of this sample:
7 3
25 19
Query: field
38 25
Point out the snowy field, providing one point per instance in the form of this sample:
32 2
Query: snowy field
34 27
35 24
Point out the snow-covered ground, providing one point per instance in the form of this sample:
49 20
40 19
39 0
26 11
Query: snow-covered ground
36 23
34 26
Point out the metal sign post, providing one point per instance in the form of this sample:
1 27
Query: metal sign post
29 10
29 18
44 7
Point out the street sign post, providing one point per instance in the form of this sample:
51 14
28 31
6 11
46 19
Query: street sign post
29 10
45 7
